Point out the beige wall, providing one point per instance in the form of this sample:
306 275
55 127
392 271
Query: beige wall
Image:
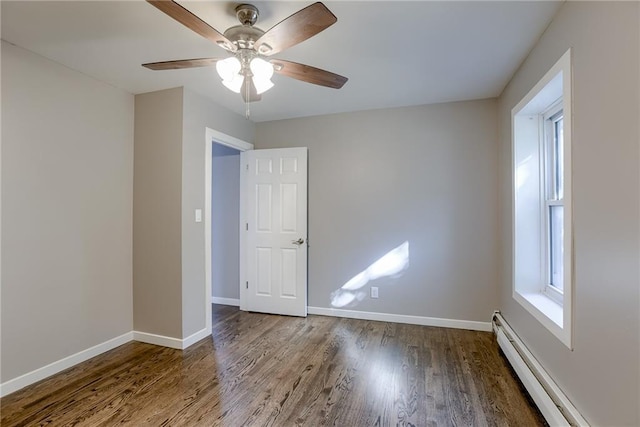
67 174
426 175
169 246
199 113
602 374
157 191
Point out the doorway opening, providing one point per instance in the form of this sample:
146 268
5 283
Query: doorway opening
214 137
225 225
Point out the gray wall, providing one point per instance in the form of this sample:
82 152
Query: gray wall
225 222
426 175
67 175
601 376
199 113
169 252
157 190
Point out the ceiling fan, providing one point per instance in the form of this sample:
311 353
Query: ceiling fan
249 70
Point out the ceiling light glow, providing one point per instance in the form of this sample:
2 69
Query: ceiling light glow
234 70
229 71
262 72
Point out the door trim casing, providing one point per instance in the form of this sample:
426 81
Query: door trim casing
213 136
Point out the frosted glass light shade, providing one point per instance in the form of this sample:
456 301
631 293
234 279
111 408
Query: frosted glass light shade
234 84
262 72
229 70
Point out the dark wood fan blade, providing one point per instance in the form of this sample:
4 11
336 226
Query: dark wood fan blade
252 95
295 29
192 22
182 63
308 74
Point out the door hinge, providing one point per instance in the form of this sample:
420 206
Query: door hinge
247 226
247 284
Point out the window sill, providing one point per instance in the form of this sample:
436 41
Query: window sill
547 311
546 305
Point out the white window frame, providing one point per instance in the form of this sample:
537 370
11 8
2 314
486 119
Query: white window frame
530 227
548 184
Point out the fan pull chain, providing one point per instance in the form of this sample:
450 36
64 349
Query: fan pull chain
246 100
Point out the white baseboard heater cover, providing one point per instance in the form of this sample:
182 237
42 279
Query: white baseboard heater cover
554 405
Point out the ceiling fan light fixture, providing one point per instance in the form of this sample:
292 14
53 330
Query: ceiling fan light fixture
234 84
262 85
228 68
229 71
262 72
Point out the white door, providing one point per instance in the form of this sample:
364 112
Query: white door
275 191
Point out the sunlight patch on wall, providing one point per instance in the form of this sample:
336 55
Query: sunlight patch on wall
392 264
523 172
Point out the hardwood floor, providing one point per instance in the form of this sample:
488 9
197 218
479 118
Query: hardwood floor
264 370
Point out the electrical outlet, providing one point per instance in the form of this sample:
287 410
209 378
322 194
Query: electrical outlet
374 292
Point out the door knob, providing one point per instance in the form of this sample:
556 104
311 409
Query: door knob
298 242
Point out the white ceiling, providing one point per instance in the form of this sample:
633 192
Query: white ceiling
394 53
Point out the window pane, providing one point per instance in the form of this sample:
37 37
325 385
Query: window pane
559 158
556 254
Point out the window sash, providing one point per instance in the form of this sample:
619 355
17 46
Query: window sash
553 201
553 121
555 266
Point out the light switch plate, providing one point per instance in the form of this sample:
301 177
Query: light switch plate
198 215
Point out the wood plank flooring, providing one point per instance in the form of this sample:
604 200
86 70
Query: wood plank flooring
265 370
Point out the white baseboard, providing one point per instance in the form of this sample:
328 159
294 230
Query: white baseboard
226 301
69 361
157 340
170 342
62 364
194 338
402 318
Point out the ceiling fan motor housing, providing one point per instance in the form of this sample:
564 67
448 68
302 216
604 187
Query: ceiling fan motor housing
247 14
243 36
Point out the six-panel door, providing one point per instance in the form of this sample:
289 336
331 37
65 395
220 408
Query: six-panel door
276 230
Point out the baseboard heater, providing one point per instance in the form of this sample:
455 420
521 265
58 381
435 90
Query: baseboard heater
554 405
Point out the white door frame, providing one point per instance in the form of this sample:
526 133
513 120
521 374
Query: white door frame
213 136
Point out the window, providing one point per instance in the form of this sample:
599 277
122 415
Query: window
542 250
553 166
